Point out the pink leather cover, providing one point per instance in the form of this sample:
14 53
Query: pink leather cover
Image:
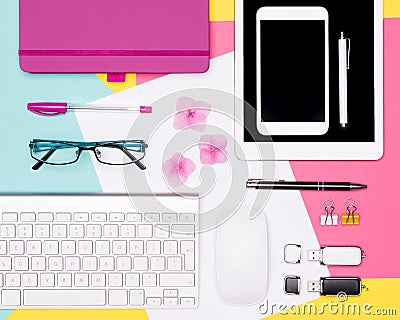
114 36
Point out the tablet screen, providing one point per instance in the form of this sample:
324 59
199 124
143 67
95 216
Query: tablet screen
292 70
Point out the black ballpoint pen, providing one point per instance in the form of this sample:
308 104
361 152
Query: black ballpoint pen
302 185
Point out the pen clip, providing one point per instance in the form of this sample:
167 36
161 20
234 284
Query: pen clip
348 54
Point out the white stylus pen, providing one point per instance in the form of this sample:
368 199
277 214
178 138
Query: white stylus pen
344 55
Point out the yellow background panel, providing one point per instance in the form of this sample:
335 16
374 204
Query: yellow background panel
130 82
222 10
381 293
391 9
78 315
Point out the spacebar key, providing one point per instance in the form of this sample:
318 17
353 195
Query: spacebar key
48 298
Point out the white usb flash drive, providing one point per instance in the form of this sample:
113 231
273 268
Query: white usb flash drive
337 256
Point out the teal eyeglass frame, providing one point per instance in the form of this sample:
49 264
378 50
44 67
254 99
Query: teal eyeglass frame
51 146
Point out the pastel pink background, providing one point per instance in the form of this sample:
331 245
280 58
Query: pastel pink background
378 232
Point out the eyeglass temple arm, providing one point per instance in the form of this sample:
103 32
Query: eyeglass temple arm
139 164
41 162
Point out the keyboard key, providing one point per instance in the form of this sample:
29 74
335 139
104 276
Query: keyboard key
110 231
187 249
7 231
25 231
33 247
106 263
117 217
169 217
12 280
136 297
63 217
186 217
161 231
64 298
38 263
127 231
59 231
93 231
174 263
45 217
140 263
27 217
145 230
89 263
157 263
171 302
81 216
153 247
85 247
98 279
47 280
136 247
124 263
176 279
68 247
10 297
170 293
21 263
152 217
10 217
153 301
72 264
81 280
170 247
76 230
102 247
99 217
3 247
16 247
42 231
188 302
117 297
50 247
182 231
55 263
132 279
64 279
134 217
5 264
29 280
115 280
119 247
149 279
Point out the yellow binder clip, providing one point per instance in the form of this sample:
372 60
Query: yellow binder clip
350 217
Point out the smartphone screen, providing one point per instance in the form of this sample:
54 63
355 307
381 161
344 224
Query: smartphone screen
292 62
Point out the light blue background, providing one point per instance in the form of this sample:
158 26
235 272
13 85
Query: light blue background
18 126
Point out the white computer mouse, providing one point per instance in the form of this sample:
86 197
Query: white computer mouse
242 259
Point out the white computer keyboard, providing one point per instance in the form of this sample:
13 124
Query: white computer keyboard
97 251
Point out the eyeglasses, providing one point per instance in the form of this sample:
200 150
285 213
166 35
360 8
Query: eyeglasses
114 153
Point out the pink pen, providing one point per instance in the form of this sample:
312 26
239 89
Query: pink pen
56 108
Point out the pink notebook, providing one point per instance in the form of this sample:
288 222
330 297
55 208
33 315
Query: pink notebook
114 36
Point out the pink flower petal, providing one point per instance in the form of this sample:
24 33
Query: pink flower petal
178 169
180 121
184 103
186 167
219 141
212 149
206 157
202 107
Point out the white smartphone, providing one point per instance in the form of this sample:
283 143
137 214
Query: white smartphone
292 71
